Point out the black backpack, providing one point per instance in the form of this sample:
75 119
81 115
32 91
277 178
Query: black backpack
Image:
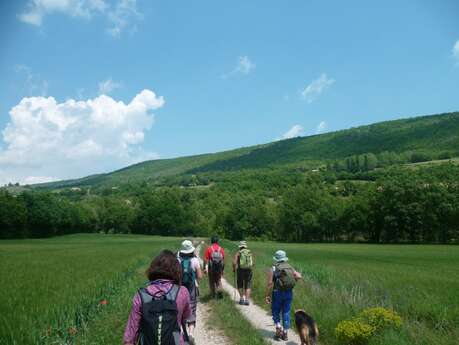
158 325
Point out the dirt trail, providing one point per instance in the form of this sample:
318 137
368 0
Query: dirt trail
259 318
204 333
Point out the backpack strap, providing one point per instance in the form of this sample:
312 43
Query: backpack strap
276 273
145 296
173 293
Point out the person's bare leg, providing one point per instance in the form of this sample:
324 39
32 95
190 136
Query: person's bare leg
191 327
247 293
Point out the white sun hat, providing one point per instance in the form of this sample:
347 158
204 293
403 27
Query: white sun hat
187 247
280 256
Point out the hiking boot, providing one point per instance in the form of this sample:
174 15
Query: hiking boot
241 302
279 334
284 336
191 340
246 302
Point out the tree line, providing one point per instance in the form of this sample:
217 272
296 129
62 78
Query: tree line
394 205
371 161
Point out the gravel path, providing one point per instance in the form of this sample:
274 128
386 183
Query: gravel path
204 333
260 319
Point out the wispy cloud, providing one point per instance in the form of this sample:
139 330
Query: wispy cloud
107 86
37 9
119 14
316 88
33 83
321 127
456 51
293 132
244 67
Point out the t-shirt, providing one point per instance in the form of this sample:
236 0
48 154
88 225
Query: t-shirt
131 333
213 247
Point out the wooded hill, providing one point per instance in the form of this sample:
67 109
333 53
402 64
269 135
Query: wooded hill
410 140
391 182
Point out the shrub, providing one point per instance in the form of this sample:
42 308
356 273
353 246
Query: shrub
381 318
354 332
358 330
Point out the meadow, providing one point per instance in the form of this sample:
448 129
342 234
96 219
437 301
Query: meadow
419 282
78 289
55 290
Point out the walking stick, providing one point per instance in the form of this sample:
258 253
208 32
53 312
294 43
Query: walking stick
235 285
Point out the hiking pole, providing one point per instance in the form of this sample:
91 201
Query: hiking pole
235 285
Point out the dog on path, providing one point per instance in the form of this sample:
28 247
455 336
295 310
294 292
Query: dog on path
307 328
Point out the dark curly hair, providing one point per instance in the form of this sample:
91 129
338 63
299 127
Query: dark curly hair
165 266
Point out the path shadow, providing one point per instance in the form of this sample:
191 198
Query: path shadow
268 334
206 298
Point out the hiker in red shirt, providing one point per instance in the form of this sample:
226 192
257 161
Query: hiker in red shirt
214 265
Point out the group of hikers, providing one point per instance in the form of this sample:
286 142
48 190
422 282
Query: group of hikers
164 311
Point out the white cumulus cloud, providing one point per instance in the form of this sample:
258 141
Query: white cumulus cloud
321 127
456 51
119 14
316 87
293 132
46 140
244 66
107 86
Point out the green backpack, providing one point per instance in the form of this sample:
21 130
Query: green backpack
245 258
284 278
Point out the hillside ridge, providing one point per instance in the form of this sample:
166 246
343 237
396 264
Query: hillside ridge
435 134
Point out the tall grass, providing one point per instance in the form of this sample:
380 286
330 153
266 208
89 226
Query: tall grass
51 289
419 282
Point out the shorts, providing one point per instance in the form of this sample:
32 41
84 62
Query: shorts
244 278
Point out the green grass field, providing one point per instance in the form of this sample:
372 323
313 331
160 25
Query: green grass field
421 283
51 289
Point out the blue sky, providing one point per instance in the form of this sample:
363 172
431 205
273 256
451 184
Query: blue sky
216 75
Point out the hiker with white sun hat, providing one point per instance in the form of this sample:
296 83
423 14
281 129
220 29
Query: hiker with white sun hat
191 274
282 278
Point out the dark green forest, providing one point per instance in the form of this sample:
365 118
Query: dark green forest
366 184
394 205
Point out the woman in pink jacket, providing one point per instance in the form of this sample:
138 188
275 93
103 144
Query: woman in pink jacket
163 295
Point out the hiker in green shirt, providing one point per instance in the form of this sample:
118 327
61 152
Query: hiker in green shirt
242 266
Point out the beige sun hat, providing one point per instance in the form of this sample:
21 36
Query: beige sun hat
242 244
187 247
